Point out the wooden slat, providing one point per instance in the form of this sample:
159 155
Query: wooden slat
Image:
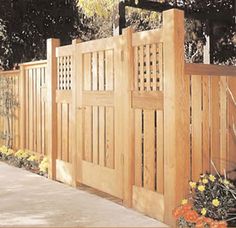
149 150
31 113
141 61
211 70
160 152
39 113
95 109
59 131
88 134
223 124
87 74
109 59
148 202
138 148
147 37
101 133
71 134
136 68
65 132
160 65
109 138
148 75
147 100
231 120
35 109
64 96
215 122
196 127
153 59
205 123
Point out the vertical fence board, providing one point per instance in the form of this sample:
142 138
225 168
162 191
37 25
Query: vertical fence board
88 134
138 148
101 133
223 124
196 126
215 122
109 137
160 152
149 150
205 124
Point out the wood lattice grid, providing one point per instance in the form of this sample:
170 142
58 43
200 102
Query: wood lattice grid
148 67
64 66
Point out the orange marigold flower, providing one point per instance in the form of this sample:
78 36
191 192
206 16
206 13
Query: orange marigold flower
199 225
191 216
200 219
208 220
186 207
222 224
214 224
178 212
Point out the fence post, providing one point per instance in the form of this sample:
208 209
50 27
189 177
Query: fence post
128 129
76 85
51 105
22 106
176 113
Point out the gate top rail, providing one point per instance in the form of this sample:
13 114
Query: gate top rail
209 69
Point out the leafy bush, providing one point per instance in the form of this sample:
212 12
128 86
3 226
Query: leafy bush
211 203
25 159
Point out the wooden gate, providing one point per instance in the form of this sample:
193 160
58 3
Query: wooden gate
99 115
65 114
147 102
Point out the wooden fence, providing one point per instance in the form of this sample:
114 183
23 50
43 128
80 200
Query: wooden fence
127 116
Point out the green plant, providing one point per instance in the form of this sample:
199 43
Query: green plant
8 104
210 205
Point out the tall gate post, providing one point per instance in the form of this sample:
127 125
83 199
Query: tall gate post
176 113
51 105
128 129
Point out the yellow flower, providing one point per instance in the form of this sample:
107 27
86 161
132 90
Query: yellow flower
203 211
204 181
32 158
3 149
192 184
184 201
216 202
201 188
21 154
212 178
43 166
226 182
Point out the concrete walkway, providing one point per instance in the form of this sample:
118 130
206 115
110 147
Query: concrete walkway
29 200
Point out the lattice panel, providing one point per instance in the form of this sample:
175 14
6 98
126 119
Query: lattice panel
64 66
98 70
148 67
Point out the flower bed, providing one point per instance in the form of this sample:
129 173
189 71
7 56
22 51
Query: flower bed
211 203
25 159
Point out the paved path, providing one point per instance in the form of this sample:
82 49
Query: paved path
27 199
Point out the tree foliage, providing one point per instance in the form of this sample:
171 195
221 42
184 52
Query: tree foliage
26 24
224 36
